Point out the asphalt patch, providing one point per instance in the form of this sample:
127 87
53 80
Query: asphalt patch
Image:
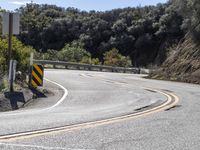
151 90
174 107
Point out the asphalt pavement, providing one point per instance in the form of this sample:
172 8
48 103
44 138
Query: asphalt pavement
82 96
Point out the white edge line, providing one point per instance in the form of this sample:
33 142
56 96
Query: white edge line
36 146
63 97
12 113
100 122
31 146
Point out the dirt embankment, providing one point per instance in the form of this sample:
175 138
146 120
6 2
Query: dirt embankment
183 63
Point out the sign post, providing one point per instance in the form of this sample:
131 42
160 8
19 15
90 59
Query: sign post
10 32
30 70
10 27
12 73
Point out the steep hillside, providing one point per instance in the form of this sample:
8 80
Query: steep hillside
183 63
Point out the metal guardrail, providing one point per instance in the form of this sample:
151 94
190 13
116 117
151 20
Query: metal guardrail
79 66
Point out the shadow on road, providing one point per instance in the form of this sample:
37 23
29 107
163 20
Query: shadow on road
37 93
15 97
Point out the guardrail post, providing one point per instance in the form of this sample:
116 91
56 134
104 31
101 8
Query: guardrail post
78 67
134 71
89 68
124 70
139 71
54 66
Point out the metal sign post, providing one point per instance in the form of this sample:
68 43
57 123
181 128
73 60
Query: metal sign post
30 69
10 27
12 73
10 32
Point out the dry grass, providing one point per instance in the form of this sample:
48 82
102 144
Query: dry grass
182 65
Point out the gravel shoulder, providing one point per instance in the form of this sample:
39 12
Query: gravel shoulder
27 99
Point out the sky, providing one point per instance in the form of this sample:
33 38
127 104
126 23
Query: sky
98 5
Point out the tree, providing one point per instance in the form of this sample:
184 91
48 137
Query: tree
72 54
50 27
34 19
1 11
190 10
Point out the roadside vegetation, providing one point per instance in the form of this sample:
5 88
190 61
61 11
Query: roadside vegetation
165 35
183 60
76 53
140 33
20 52
113 58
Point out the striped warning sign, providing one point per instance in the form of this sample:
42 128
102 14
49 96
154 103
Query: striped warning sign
37 75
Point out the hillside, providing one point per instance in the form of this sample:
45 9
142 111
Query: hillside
183 63
136 32
129 37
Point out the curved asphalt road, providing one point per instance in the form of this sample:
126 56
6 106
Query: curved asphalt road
95 96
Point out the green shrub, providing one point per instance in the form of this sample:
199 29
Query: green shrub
89 60
20 52
3 84
114 58
72 53
49 55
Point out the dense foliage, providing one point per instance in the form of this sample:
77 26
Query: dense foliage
190 10
113 58
183 60
20 52
142 33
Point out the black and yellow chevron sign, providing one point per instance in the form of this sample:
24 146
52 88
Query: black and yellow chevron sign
37 75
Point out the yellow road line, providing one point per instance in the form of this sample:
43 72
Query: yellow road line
172 100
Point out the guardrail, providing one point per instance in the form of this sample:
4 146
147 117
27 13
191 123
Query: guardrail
79 66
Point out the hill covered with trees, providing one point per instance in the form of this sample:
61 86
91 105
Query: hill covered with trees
141 33
165 35
183 60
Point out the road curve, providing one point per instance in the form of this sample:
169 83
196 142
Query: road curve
98 102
